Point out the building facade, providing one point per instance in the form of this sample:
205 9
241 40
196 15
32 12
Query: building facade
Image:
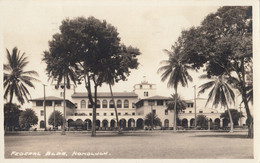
132 107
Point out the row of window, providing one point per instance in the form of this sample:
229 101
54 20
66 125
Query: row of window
105 104
90 114
48 103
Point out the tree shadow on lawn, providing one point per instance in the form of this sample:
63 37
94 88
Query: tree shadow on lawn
224 136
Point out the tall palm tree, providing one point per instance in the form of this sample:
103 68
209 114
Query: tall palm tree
180 105
60 69
176 70
16 79
221 93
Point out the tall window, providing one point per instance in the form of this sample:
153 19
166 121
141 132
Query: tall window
89 104
48 103
104 104
160 102
98 104
166 112
58 103
83 104
145 94
119 104
111 104
126 104
42 112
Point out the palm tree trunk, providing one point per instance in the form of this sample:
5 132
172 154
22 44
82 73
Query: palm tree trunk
174 114
64 108
230 119
117 121
6 123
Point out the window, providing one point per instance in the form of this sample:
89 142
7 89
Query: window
39 103
200 111
212 112
190 105
98 104
151 86
119 113
145 94
183 111
48 103
119 104
160 102
154 111
133 105
166 112
133 113
126 113
112 114
90 114
141 86
111 104
190 111
104 104
42 112
76 105
97 114
58 103
150 102
105 114
126 104
83 104
89 104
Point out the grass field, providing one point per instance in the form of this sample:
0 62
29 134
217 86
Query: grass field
136 145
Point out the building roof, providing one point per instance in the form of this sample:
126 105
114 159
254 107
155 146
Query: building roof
47 98
105 94
157 97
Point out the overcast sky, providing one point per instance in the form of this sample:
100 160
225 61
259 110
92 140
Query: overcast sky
151 27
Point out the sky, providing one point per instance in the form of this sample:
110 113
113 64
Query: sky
151 27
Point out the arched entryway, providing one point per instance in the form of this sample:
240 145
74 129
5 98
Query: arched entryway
192 122
41 124
112 124
122 123
104 123
140 123
131 122
166 123
70 123
217 123
184 122
88 124
225 122
97 124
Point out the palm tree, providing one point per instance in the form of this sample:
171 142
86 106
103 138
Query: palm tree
221 93
60 68
16 79
181 104
176 70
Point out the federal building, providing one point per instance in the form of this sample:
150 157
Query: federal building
132 107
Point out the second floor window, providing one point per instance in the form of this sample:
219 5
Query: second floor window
126 104
83 104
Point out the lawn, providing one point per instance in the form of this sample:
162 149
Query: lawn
135 145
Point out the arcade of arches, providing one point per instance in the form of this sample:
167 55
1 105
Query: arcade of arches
136 123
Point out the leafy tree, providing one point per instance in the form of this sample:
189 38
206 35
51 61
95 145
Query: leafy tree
176 70
27 119
16 79
152 119
221 93
11 115
59 67
119 69
202 121
180 105
223 44
57 121
235 115
91 47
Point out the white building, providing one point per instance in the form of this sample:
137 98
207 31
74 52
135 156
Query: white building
132 107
